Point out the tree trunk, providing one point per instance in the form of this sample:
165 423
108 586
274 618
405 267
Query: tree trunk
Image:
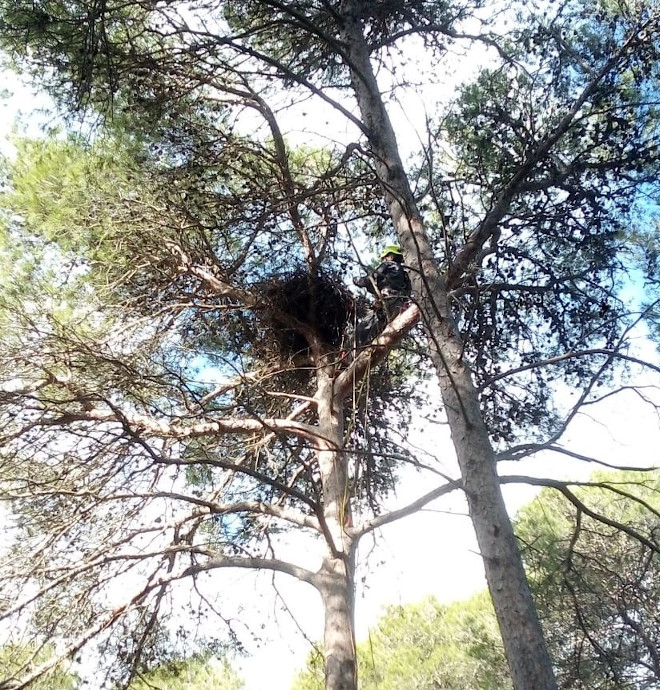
525 648
336 587
335 579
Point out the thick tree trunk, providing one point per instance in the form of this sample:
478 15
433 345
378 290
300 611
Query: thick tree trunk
527 654
335 584
335 579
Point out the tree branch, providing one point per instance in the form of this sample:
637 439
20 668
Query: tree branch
470 251
376 351
562 487
392 516
249 563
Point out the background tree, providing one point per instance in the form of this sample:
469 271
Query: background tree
198 673
16 656
514 236
428 645
593 563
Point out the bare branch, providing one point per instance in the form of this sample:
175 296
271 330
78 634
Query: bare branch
411 508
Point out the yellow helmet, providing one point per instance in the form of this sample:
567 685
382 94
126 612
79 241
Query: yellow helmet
391 249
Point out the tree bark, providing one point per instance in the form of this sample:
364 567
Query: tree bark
525 647
335 579
335 584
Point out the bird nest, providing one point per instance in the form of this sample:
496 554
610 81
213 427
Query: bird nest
301 308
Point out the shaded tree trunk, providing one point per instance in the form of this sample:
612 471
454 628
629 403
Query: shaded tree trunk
525 648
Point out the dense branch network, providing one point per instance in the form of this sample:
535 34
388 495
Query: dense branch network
174 386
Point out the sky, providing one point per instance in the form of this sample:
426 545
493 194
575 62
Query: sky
433 552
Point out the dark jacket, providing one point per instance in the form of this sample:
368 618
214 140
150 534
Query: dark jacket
389 279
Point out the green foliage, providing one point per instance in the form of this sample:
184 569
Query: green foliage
427 646
65 205
15 658
594 571
70 42
57 184
197 673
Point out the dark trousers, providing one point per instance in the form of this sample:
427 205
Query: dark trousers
375 318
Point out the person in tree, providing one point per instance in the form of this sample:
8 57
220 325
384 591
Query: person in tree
390 284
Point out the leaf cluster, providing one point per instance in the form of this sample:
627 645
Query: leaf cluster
594 581
15 657
195 673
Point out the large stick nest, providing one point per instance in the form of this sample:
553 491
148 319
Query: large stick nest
299 307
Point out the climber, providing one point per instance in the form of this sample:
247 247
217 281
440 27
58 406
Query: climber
390 284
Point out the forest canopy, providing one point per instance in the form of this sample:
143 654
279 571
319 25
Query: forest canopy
179 389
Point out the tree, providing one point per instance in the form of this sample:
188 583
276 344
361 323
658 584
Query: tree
515 236
591 553
593 562
16 656
191 674
427 645
107 487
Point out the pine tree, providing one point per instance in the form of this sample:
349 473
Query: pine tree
516 251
